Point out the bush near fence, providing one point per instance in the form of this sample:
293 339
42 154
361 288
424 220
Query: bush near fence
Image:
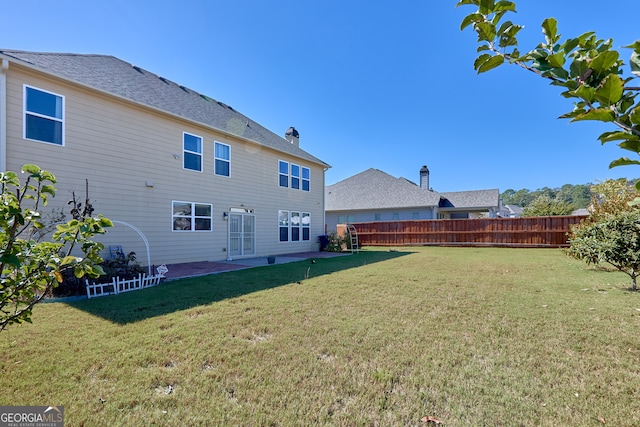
531 232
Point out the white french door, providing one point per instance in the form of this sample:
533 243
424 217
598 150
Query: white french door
242 234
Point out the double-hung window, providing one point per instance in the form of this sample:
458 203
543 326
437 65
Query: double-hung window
283 225
43 116
306 178
190 216
283 173
222 159
295 176
192 152
296 223
306 225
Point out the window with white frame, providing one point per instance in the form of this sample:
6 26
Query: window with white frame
295 176
294 226
222 159
283 173
306 225
191 216
192 152
283 225
306 179
43 116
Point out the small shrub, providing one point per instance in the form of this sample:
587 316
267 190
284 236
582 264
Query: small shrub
337 243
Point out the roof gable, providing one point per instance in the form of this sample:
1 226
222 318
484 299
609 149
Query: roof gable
116 77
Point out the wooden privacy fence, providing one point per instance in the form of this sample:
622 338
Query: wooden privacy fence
533 232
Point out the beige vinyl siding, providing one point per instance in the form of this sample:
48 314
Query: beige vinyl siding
119 146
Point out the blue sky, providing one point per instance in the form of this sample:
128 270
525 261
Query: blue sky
388 85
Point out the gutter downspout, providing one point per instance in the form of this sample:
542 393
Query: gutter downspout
3 114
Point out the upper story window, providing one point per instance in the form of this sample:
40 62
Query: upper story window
295 176
190 216
306 178
283 173
222 159
43 116
192 152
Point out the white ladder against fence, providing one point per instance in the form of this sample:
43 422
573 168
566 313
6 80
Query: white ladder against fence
353 236
118 285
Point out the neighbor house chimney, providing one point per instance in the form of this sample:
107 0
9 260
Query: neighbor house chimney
292 136
424 178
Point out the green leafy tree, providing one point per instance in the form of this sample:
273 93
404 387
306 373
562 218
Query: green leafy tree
31 266
543 205
611 232
588 69
614 240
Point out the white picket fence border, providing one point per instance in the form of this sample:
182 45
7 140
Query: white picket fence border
118 286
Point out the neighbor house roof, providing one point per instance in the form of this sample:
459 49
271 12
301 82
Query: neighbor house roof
473 198
374 189
116 77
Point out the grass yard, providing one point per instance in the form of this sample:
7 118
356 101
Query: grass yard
470 336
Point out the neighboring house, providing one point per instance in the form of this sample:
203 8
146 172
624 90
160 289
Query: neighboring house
510 211
197 178
374 195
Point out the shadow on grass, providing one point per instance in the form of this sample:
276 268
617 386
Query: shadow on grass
185 293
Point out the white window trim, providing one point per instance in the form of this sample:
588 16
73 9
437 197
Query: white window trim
290 226
215 172
193 216
299 176
303 179
288 174
25 112
184 150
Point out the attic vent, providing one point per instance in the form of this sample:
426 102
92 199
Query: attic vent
138 69
184 89
206 98
162 79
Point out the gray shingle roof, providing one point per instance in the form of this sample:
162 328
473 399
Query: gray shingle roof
474 198
114 76
374 189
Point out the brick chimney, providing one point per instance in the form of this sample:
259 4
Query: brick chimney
424 178
292 136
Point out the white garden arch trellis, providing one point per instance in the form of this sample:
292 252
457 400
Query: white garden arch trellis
144 239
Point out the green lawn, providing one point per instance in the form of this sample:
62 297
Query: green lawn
471 336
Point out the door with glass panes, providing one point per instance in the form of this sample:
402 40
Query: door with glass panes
242 233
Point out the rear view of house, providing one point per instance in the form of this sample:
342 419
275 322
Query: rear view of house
199 180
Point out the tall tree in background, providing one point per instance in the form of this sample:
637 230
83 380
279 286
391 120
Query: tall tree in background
588 70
